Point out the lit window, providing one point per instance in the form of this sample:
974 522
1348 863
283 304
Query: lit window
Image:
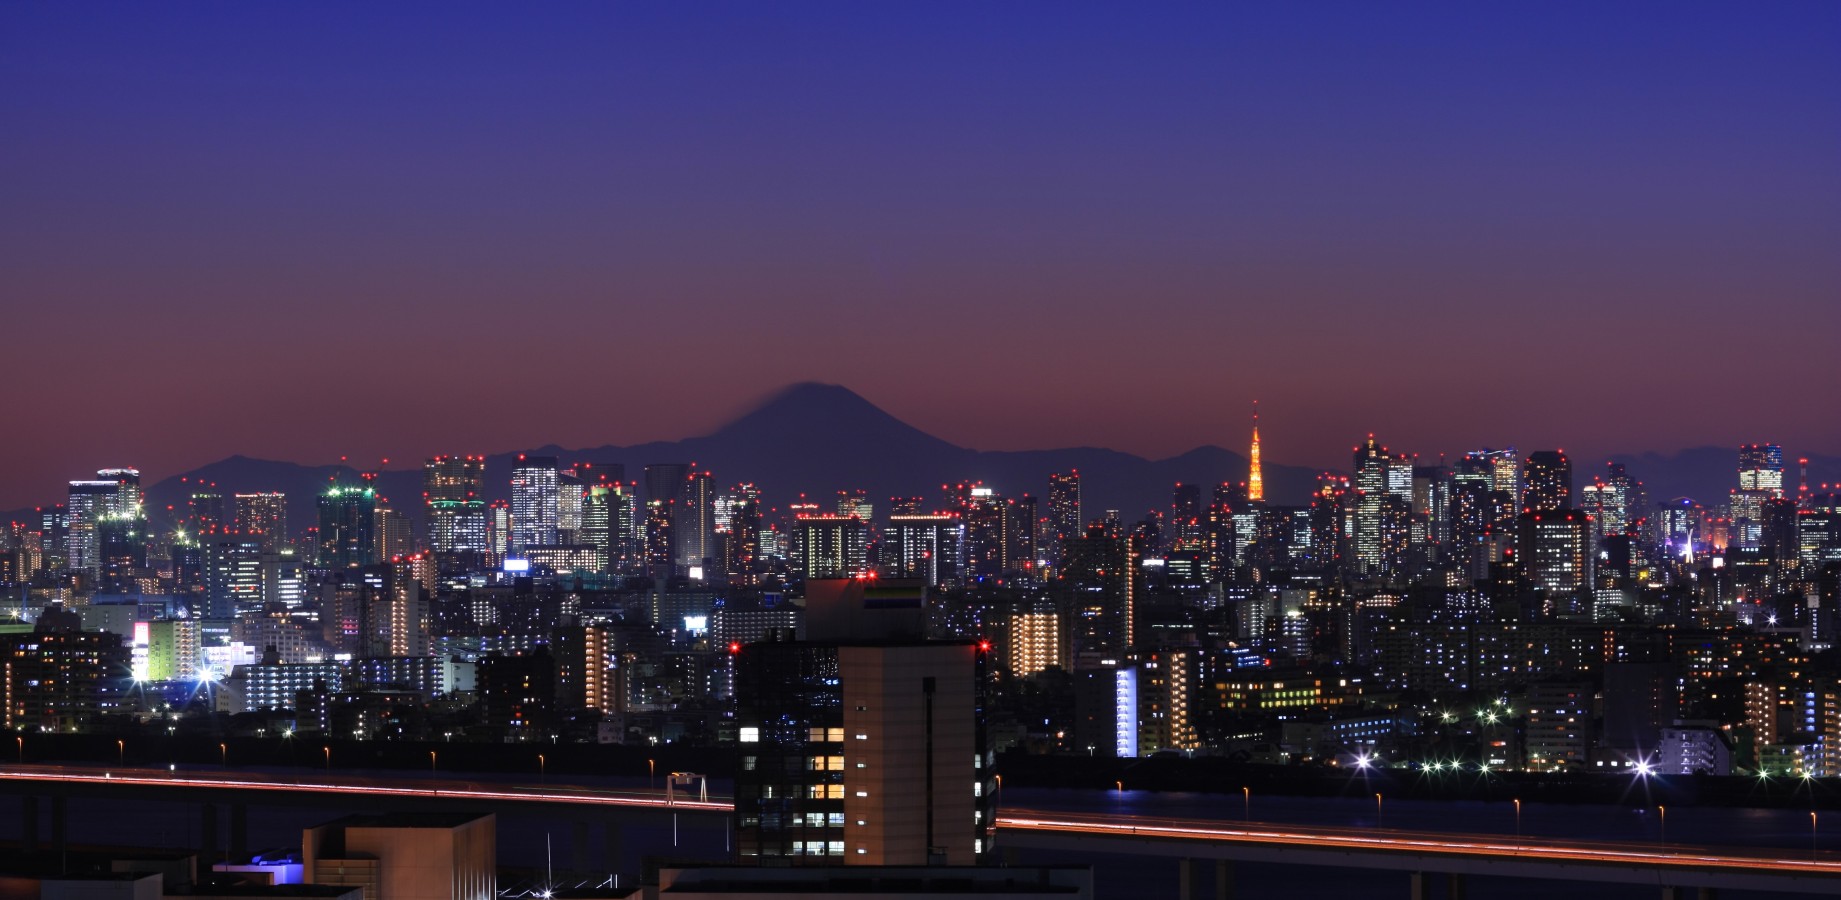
750 734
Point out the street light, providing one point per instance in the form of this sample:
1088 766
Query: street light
1119 786
1812 835
431 762
999 793
1246 800
1378 821
540 773
1518 822
121 753
22 749
652 774
328 749
223 754
1663 811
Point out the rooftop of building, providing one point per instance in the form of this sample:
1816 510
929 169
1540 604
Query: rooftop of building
407 820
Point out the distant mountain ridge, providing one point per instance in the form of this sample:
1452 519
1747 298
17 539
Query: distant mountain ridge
816 439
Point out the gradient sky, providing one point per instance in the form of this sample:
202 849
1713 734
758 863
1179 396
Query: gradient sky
299 231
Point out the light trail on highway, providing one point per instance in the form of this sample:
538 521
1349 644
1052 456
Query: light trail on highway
444 790
1544 850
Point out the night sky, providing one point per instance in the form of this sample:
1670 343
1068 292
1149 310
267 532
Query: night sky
300 231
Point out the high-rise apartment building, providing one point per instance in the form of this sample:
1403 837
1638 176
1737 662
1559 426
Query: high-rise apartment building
392 534
1037 641
832 546
929 548
864 744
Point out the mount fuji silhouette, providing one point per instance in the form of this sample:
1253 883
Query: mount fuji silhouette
811 439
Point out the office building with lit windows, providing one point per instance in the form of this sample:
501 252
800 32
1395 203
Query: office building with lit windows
1554 550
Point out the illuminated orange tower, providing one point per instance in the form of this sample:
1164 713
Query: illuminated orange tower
1256 483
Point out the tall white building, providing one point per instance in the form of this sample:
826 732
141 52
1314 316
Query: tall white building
536 512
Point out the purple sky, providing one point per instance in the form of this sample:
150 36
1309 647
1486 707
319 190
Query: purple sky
302 231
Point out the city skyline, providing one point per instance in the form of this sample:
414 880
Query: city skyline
806 408
1613 237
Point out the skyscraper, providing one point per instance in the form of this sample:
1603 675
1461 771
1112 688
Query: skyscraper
1549 482
1554 550
453 478
929 548
1761 468
453 491
88 503
348 524
1383 508
855 503
1186 517
832 546
694 520
392 534
1098 585
207 513
598 520
569 493
1611 501
1064 514
232 577
535 510
263 517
